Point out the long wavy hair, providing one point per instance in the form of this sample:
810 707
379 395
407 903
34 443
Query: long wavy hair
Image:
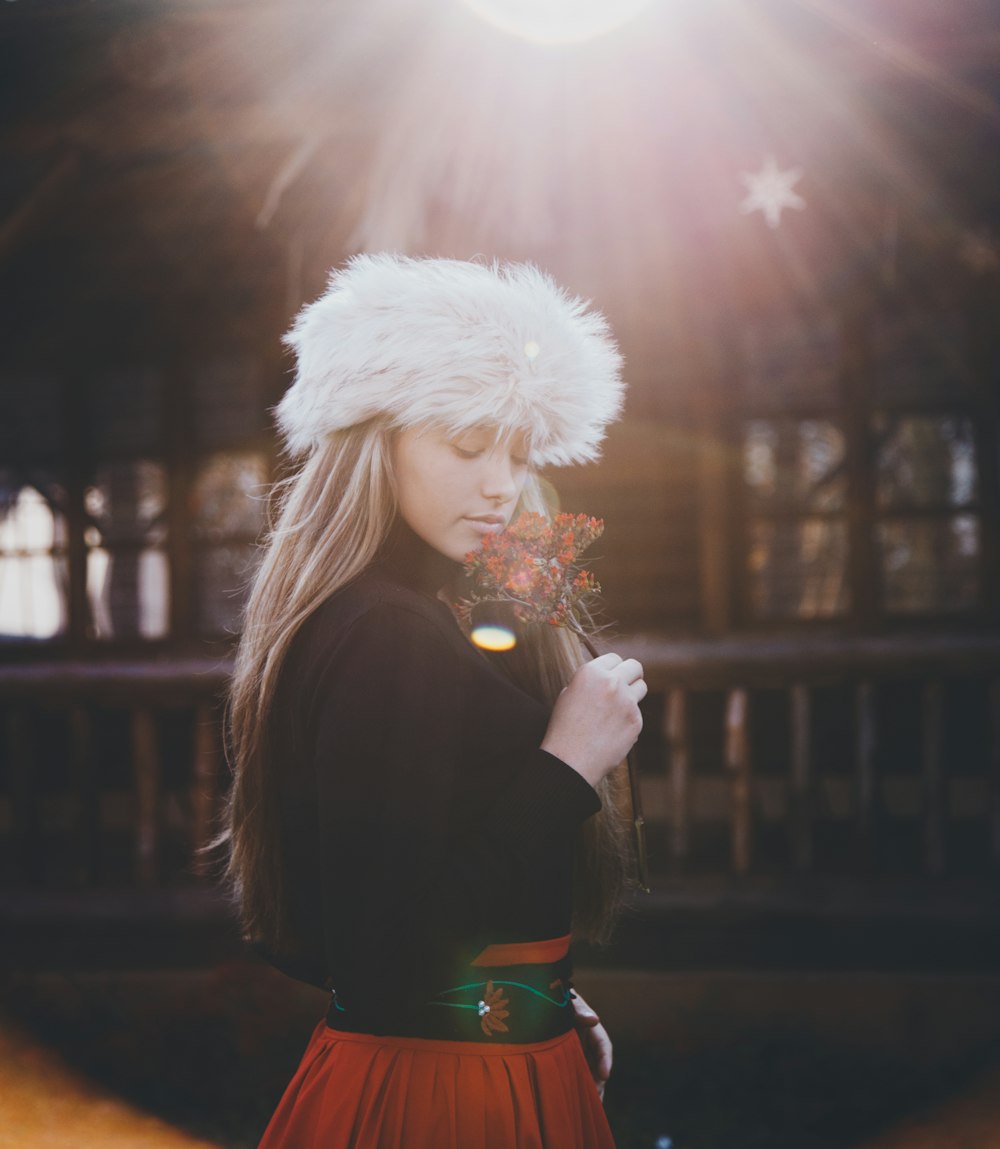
330 520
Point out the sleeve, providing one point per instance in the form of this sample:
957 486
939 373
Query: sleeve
409 882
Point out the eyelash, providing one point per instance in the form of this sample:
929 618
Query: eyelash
462 453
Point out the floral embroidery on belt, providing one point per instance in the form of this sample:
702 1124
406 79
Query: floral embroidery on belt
492 1009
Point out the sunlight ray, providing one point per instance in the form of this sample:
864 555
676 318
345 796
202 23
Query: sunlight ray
557 21
905 59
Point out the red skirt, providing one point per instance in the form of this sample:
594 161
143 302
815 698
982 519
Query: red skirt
356 1091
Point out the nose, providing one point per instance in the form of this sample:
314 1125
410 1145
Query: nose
499 479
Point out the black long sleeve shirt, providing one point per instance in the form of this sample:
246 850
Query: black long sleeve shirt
421 821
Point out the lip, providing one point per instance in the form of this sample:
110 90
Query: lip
486 522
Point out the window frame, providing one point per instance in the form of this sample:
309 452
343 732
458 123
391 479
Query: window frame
854 411
178 450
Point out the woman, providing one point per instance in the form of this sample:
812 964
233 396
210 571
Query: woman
405 810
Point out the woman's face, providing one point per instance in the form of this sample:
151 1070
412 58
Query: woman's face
454 489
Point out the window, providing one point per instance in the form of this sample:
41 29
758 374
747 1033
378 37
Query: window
860 477
228 499
794 474
133 501
927 527
33 572
128 573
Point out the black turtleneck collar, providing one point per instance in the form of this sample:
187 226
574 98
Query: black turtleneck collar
407 559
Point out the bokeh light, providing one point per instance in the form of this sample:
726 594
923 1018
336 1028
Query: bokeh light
494 638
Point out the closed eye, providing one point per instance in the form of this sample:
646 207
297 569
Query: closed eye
519 461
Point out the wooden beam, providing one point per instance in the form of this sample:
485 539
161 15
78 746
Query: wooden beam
778 660
765 660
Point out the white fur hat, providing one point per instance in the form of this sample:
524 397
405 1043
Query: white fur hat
439 342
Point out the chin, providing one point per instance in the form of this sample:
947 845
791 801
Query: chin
457 554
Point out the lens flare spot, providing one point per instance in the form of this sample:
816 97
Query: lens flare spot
531 349
494 638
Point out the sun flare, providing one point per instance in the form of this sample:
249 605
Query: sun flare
557 21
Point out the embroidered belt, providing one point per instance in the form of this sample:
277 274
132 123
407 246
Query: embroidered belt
512 993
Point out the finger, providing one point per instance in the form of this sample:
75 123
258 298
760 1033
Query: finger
580 1007
584 1015
609 661
604 1052
630 669
639 690
604 1065
598 1050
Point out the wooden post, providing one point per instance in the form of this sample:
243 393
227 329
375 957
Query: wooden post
675 731
802 781
864 568
77 469
86 831
24 806
720 527
146 762
986 433
866 781
935 793
178 402
715 528
738 764
995 772
204 786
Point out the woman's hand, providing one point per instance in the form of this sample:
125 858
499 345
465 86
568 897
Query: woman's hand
595 1041
596 719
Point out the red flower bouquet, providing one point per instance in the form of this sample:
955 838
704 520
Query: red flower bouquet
531 567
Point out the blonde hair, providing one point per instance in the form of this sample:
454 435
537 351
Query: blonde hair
333 516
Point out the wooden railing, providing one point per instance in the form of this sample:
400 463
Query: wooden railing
112 774
742 671
86 749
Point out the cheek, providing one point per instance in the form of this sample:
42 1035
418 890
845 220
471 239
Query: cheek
520 482
429 495
451 481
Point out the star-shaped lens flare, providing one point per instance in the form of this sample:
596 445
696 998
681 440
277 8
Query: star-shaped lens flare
770 191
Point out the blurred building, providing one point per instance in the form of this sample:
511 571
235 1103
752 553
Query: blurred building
789 210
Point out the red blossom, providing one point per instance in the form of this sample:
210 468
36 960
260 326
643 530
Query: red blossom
532 564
